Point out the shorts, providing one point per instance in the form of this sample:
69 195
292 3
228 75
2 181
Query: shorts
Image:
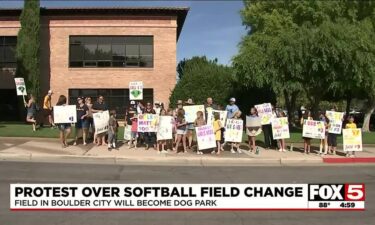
190 126
47 112
82 124
63 126
332 140
31 115
181 132
134 134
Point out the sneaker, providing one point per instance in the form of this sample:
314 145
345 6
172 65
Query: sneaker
75 143
239 151
84 143
347 155
280 150
232 151
158 152
164 151
284 150
352 156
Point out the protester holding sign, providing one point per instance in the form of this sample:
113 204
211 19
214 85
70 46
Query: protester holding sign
208 107
112 130
324 142
82 121
306 140
65 128
134 129
181 130
283 131
90 119
164 131
217 131
234 128
332 132
350 125
199 121
31 111
232 108
253 127
190 127
99 106
149 137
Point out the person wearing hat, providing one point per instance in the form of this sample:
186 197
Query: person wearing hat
232 108
47 109
157 107
82 120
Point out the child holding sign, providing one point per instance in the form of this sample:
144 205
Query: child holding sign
199 121
181 130
134 129
237 116
217 132
306 140
282 147
350 125
252 131
162 143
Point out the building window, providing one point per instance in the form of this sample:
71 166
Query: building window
117 99
8 51
111 51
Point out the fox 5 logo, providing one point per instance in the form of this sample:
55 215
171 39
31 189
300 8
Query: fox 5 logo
336 192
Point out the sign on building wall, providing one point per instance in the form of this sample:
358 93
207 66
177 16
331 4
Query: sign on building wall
65 114
234 130
265 112
352 139
136 90
205 137
313 129
101 120
20 86
280 128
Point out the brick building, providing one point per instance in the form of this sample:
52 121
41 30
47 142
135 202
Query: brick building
97 51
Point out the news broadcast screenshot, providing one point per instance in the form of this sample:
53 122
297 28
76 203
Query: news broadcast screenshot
187 112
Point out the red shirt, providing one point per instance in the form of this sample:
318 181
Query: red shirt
134 125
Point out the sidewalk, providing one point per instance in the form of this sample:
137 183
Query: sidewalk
40 149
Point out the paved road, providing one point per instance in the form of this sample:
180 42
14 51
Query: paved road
12 172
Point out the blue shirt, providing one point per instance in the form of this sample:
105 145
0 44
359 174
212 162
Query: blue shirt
231 109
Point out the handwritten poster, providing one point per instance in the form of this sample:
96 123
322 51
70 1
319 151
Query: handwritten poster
234 130
136 90
313 129
191 112
127 132
205 137
352 139
101 120
65 114
253 125
280 128
165 128
222 114
20 86
264 112
335 121
147 122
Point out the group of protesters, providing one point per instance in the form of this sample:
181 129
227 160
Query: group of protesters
183 131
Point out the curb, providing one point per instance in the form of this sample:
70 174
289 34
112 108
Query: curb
350 160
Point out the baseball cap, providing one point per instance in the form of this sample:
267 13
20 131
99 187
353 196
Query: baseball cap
232 100
50 92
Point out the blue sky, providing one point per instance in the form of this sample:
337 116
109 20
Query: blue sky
212 28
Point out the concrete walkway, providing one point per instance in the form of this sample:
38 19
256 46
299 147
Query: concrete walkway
41 149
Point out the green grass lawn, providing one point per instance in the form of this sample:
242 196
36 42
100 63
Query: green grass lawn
24 130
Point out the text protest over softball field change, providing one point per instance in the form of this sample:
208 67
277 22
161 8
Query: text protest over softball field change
187 196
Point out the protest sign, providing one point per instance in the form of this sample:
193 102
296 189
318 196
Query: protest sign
147 122
280 128
136 90
20 86
335 121
352 139
65 114
313 129
127 132
191 112
101 120
264 112
205 137
253 125
165 128
233 130
222 114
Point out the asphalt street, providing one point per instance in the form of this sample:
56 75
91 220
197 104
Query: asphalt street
32 172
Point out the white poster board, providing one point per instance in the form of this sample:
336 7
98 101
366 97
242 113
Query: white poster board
148 122
280 128
335 121
264 112
136 90
165 128
20 86
101 121
234 130
222 114
191 112
127 132
65 114
205 137
313 129
352 139
253 125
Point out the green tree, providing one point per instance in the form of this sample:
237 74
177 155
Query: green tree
28 44
203 78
